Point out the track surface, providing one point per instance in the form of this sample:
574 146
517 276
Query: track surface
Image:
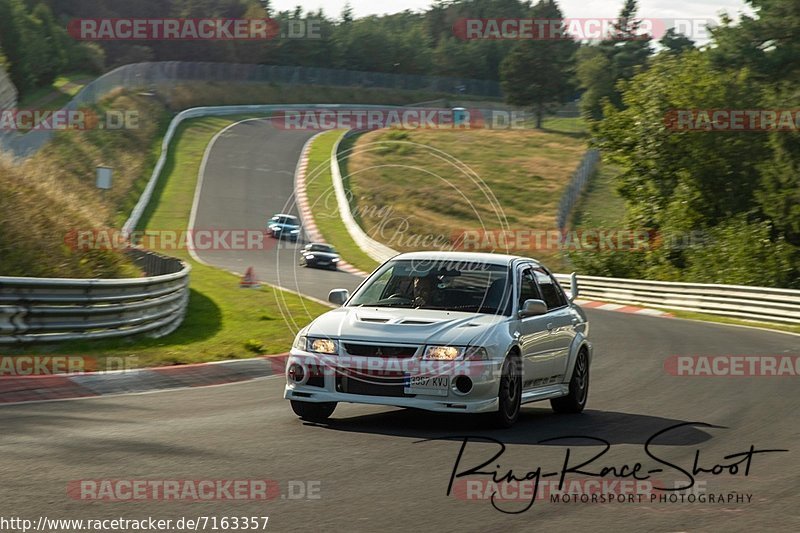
373 471
248 178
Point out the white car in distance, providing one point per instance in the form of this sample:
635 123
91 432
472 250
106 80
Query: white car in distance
446 331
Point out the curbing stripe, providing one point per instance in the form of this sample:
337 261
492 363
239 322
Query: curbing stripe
88 385
620 308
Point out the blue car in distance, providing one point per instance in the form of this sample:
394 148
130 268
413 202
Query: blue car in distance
283 226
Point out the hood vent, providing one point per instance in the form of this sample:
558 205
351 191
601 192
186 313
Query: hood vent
417 322
374 320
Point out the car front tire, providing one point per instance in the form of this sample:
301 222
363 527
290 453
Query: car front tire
575 401
510 394
313 412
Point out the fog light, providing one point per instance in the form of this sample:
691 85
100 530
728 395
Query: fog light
296 373
463 384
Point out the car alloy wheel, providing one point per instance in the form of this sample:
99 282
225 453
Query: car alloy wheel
575 401
510 393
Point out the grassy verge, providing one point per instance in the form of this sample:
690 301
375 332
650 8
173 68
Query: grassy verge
224 321
419 189
56 95
324 207
601 205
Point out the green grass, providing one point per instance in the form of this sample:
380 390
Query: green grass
601 205
704 317
419 189
223 321
322 199
56 95
568 125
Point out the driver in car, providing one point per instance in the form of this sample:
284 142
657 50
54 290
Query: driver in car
423 290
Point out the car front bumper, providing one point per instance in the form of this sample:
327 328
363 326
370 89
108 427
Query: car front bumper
327 386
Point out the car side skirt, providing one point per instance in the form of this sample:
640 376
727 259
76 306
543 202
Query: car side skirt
545 393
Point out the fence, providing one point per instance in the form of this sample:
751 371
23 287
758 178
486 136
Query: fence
55 310
576 186
152 76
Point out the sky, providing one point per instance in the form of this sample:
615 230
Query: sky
668 9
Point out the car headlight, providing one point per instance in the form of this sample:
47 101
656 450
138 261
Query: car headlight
444 353
335 260
299 342
326 346
295 231
275 228
452 353
476 353
309 256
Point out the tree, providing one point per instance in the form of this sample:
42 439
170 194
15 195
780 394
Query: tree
626 52
13 39
538 72
676 43
347 13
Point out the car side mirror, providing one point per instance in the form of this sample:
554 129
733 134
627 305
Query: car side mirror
574 290
533 308
338 296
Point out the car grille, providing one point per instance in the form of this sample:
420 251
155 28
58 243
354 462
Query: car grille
372 350
366 384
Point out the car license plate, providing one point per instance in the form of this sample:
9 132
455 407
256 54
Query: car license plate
431 385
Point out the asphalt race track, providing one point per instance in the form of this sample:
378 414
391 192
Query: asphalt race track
248 178
374 467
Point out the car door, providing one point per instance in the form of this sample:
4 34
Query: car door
534 339
558 323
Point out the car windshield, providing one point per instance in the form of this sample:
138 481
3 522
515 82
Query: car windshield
292 221
322 248
443 285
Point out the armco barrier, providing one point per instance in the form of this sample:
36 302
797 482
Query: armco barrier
749 303
217 111
155 76
376 250
735 301
56 310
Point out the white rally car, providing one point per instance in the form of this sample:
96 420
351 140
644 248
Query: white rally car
446 331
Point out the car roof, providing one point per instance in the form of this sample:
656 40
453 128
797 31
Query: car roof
478 257
283 215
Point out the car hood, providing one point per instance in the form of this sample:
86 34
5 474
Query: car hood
415 326
321 255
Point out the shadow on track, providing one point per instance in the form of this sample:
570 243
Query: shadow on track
534 425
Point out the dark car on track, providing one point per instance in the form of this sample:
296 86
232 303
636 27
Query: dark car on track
319 255
283 226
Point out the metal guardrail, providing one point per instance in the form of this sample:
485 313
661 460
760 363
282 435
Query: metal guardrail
736 301
376 250
56 310
155 75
